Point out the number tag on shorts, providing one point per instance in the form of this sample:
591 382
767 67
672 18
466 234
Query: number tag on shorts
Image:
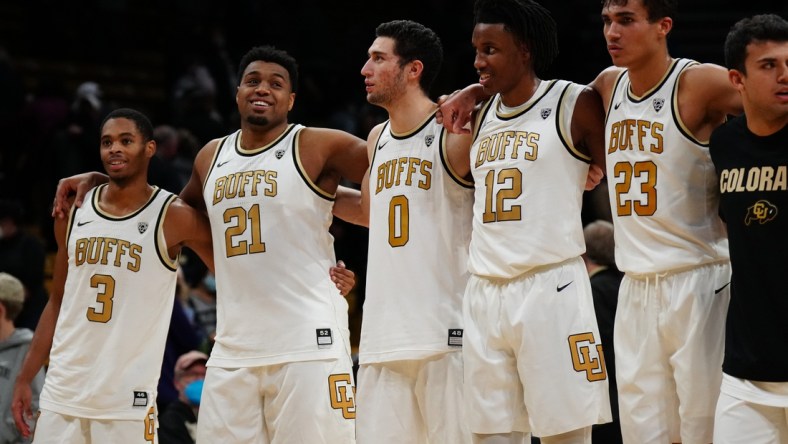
455 337
140 399
324 338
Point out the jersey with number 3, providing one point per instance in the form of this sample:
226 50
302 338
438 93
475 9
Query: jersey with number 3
419 229
662 184
529 180
275 300
117 302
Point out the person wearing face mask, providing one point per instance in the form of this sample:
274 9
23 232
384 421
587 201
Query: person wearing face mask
178 423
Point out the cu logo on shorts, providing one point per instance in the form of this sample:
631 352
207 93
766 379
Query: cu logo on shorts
342 394
150 426
582 346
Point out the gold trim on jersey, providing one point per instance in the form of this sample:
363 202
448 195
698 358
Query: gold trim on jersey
674 104
70 224
631 96
541 91
480 116
103 214
213 161
254 151
418 128
160 241
375 147
613 94
302 172
447 165
565 134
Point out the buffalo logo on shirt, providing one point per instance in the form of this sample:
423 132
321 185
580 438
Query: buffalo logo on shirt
763 211
658 103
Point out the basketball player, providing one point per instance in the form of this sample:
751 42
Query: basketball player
107 317
417 202
533 356
670 241
280 370
750 154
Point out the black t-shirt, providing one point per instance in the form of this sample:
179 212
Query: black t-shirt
753 184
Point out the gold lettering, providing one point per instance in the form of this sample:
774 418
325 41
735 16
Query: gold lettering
218 192
426 171
656 133
135 252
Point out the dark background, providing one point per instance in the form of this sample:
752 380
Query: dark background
143 54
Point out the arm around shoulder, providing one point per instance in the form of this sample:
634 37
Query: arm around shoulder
185 226
588 126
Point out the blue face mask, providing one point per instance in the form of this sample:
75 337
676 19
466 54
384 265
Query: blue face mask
193 391
209 282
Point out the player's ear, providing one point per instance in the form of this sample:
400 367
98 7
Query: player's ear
737 78
150 149
415 69
292 102
665 25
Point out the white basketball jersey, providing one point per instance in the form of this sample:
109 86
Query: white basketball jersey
662 183
275 300
109 340
529 184
419 229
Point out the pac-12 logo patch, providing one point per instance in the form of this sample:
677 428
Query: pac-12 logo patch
142 226
279 153
587 356
763 211
343 394
658 104
545 112
428 139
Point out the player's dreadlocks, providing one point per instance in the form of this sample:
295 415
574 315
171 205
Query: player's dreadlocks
529 22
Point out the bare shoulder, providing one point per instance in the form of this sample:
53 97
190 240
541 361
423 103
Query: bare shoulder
325 137
604 83
705 78
707 84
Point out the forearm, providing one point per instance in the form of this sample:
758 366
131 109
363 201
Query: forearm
349 207
40 345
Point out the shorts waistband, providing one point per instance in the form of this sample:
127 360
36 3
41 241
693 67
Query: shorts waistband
673 271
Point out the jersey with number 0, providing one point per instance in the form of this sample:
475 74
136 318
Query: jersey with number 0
419 229
661 180
529 183
117 302
275 300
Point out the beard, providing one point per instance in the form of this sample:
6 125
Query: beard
385 96
257 120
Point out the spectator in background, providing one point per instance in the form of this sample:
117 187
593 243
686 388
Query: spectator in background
605 280
74 145
14 343
183 335
163 171
195 101
22 255
178 422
